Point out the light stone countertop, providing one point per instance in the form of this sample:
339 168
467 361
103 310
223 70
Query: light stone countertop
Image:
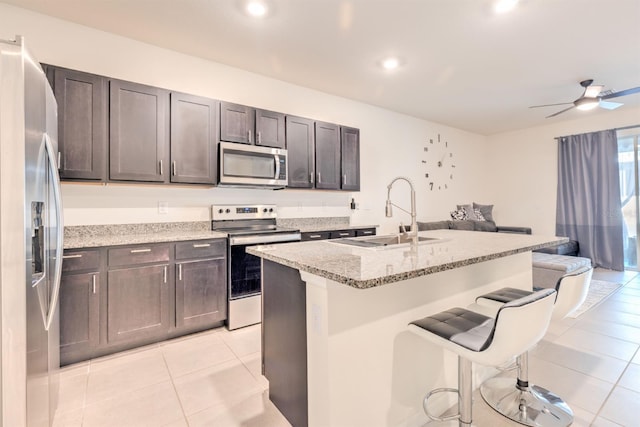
77 237
369 267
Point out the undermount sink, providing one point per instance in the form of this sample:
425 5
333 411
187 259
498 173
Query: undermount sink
382 241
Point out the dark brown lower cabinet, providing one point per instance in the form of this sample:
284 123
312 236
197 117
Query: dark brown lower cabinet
117 298
137 303
79 316
200 300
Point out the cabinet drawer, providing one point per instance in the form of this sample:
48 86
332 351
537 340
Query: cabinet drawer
80 260
315 235
201 249
340 234
366 232
141 254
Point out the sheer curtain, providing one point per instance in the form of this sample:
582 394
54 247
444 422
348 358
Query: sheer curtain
588 204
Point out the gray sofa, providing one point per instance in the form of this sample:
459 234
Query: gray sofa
471 225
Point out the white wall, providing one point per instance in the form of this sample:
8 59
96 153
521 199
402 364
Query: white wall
391 144
522 168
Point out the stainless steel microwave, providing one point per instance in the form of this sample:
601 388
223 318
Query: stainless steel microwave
251 166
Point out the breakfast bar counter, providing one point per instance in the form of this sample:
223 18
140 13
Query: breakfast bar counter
336 349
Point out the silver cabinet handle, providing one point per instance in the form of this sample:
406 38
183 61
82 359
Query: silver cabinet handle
367 232
344 179
179 271
93 283
161 171
315 236
165 274
343 234
311 177
140 251
173 168
59 160
259 136
71 256
249 135
201 245
319 178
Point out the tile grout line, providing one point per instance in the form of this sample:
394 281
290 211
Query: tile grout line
175 390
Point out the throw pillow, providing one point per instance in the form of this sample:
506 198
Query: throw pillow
459 215
470 212
486 210
479 214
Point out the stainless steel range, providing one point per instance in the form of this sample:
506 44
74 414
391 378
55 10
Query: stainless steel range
247 225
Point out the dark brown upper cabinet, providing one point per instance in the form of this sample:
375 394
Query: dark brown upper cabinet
327 156
82 123
300 152
193 139
139 129
270 129
350 158
247 125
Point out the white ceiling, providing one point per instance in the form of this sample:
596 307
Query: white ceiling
464 66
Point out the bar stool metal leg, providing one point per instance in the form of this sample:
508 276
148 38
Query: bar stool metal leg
526 404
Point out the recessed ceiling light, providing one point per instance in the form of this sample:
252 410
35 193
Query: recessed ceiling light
390 63
504 6
256 8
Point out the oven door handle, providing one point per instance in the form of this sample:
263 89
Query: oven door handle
262 239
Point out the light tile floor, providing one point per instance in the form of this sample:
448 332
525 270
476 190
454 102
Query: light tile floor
213 378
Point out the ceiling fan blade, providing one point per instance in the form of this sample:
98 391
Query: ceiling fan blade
559 112
592 91
550 105
622 93
608 105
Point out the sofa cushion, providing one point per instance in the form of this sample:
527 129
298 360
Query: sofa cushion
470 213
459 215
433 225
462 225
484 226
486 210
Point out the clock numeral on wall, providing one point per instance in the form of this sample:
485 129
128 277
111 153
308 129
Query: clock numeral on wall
431 141
431 186
438 137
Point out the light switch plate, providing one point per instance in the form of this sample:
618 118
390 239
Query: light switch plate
163 208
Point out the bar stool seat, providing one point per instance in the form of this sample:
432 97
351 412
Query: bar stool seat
518 325
520 400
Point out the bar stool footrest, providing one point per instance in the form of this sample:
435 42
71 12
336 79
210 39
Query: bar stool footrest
532 406
436 391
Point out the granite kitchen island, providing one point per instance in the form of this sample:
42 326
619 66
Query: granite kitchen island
336 349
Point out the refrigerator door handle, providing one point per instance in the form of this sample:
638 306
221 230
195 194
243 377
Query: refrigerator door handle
55 182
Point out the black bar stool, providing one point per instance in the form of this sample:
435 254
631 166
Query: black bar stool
474 337
520 400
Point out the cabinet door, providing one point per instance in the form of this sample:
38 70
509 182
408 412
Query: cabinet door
201 293
236 123
193 139
350 158
82 124
327 156
300 152
137 303
79 317
270 129
138 132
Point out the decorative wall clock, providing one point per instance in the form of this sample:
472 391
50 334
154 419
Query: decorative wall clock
439 163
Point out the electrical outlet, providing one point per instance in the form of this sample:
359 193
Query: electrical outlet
163 208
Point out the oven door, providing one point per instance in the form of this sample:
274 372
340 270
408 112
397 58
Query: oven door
245 270
248 165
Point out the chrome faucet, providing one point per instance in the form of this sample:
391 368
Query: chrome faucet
413 233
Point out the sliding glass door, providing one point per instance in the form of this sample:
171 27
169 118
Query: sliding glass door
628 158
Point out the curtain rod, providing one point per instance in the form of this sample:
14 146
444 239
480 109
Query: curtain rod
620 128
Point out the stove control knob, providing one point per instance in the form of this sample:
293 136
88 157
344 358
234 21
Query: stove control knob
270 209
264 210
228 210
220 211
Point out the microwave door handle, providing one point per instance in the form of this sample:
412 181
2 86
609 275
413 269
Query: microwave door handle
277 158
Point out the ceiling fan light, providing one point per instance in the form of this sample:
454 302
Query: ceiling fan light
586 104
504 6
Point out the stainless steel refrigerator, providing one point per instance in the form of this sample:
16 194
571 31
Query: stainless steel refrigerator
31 229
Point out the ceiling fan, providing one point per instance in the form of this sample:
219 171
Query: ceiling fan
592 97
